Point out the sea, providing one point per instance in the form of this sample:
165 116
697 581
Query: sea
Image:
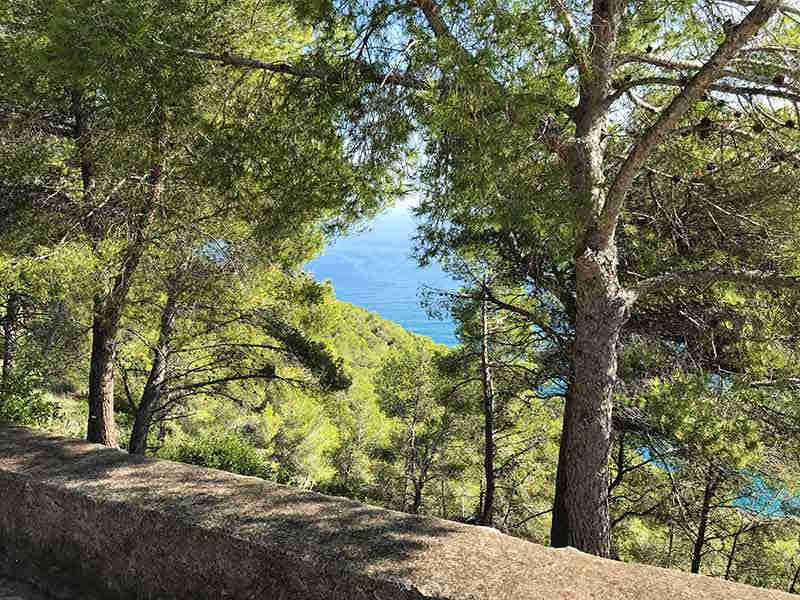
373 268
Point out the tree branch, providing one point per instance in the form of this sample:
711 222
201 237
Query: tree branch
641 103
201 384
670 281
784 8
14 116
520 311
789 382
717 87
571 37
737 37
434 19
685 65
329 74
770 49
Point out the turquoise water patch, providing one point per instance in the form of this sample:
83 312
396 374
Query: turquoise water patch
765 501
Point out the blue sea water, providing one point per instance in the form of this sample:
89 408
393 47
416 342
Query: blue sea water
374 269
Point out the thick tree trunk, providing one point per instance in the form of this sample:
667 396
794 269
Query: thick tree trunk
581 503
101 428
10 334
106 320
700 540
488 421
581 516
154 387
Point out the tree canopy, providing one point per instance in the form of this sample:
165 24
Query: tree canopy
612 182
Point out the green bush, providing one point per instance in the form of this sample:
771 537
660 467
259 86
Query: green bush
22 401
228 452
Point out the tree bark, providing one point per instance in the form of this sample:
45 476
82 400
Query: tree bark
411 451
101 428
795 579
732 553
700 540
488 419
154 387
671 545
10 334
559 526
105 326
417 502
108 307
581 514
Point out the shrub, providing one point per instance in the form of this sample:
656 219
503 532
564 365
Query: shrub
228 452
22 401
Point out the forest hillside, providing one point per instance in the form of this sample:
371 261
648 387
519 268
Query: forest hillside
611 183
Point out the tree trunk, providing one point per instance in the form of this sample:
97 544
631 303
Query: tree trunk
581 514
488 420
559 526
417 502
101 428
700 540
409 466
732 553
108 308
671 545
443 514
795 579
10 334
154 388
106 320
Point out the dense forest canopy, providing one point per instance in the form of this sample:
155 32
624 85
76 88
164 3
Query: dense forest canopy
612 182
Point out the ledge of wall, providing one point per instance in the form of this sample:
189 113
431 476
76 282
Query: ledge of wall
117 526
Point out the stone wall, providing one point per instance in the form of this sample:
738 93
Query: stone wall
110 525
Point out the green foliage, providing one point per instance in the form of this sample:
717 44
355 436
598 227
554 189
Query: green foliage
22 401
313 355
263 166
228 452
72 415
699 412
314 434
